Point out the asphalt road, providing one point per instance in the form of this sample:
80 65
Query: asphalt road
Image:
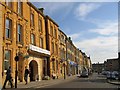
93 81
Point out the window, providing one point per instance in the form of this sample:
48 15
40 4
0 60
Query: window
53 64
56 65
32 19
7 59
52 47
55 33
51 30
9 3
8 28
20 7
33 39
19 33
41 42
40 25
56 48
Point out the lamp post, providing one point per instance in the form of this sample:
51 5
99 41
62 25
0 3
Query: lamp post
65 60
64 71
119 64
16 72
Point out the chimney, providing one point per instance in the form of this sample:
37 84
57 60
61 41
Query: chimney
41 9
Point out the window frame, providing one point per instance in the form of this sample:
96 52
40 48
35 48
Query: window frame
8 30
32 19
40 24
51 30
8 3
19 7
19 33
32 39
41 42
5 59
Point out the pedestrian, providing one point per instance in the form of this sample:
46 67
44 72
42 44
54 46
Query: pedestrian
26 75
8 78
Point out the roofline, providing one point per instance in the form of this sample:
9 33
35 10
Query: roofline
62 32
52 20
30 4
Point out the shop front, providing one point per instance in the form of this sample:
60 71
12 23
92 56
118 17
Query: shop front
35 63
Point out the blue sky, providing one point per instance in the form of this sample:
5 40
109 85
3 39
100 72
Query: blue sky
93 26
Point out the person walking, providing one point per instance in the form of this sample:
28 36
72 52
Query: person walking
26 75
8 78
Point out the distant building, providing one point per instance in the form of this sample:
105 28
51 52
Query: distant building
98 67
111 64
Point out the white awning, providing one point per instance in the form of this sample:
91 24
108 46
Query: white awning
38 49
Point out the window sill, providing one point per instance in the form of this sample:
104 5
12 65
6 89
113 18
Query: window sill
8 40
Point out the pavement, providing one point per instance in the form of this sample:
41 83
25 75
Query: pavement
115 82
42 83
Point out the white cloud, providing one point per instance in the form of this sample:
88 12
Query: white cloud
100 48
53 7
110 28
74 36
74 0
85 8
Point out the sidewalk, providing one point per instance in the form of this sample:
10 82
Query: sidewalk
43 83
115 82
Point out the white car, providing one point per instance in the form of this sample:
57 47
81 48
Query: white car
84 73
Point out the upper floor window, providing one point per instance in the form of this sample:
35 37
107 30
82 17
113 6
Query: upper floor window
40 25
41 42
20 7
7 59
55 33
8 28
52 47
33 39
51 30
9 3
19 33
32 19
56 47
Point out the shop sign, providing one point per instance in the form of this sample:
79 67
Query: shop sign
38 49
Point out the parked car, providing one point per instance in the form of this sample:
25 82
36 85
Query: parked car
84 73
104 72
112 75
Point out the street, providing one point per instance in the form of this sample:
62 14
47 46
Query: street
94 81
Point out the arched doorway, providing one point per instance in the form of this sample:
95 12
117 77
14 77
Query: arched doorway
33 70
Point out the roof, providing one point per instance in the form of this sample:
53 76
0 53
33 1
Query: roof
30 4
52 20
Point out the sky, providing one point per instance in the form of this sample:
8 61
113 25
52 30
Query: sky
92 26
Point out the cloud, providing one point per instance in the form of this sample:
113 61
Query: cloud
109 28
53 7
100 48
85 8
74 0
74 36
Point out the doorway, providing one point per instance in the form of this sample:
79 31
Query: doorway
33 70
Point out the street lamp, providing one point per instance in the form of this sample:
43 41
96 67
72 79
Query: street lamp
64 71
66 59
119 64
16 72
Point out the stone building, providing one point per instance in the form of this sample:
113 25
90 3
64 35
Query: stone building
111 64
23 34
36 38
52 45
63 53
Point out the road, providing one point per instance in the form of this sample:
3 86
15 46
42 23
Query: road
93 81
